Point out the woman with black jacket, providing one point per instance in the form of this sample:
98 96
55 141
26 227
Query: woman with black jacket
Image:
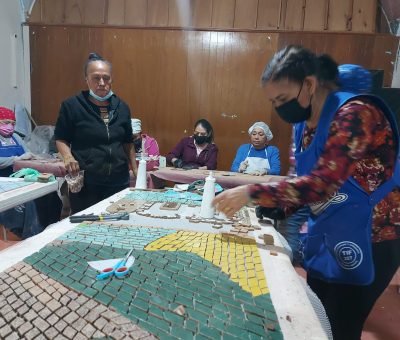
93 133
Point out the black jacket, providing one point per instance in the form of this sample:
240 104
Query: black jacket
97 147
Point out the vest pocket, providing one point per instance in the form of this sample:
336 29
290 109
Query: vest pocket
319 257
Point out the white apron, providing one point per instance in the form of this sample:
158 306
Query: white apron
257 164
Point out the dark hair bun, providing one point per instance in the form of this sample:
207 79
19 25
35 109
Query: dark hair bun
327 68
94 56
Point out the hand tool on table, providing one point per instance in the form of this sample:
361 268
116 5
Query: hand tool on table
91 217
119 270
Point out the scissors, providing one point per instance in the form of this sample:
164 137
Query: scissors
119 270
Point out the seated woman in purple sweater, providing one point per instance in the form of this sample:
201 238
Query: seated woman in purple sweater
197 151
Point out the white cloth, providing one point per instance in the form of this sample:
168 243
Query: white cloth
136 125
264 127
257 164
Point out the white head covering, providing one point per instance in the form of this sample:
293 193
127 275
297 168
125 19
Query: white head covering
264 127
136 125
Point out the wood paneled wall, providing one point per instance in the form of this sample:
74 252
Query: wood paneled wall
299 15
171 78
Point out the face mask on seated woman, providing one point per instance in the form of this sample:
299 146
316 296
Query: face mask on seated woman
6 129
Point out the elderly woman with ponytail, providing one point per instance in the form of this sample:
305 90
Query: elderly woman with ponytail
348 166
93 133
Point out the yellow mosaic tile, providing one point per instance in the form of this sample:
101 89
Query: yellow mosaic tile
236 256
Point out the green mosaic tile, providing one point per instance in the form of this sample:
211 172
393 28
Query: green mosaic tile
201 337
154 310
160 323
65 280
150 327
196 315
103 298
255 319
191 325
120 306
209 332
257 329
253 309
174 318
77 286
182 333
136 313
90 292
139 303
183 300
236 331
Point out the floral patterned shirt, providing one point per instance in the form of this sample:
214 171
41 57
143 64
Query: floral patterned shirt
360 144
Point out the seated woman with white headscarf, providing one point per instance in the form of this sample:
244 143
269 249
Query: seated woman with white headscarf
258 157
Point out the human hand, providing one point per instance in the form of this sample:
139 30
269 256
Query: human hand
257 173
243 166
273 213
177 163
230 201
71 165
190 166
135 171
25 156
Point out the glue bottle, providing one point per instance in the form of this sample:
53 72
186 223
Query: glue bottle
206 210
141 178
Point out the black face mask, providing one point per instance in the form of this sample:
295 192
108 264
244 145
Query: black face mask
292 112
200 139
138 144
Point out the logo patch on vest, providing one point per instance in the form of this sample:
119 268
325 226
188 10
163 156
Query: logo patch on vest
348 254
337 198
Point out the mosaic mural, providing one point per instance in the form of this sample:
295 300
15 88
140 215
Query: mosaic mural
182 285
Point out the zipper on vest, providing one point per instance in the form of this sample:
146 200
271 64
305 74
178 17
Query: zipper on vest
109 149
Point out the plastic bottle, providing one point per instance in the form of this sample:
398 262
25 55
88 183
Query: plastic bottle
141 178
206 210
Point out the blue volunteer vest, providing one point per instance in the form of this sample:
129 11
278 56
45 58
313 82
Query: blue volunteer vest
338 245
9 151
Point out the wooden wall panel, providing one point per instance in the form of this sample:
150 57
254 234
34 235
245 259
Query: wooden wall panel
135 12
74 12
169 78
246 14
294 15
179 13
201 13
339 16
364 14
157 13
53 11
36 14
223 13
268 14
316 15
291 15
116 12
94 11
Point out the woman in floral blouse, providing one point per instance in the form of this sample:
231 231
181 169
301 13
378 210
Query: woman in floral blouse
347 147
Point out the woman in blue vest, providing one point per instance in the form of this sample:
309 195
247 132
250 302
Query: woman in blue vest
347 158
21 220
258 157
